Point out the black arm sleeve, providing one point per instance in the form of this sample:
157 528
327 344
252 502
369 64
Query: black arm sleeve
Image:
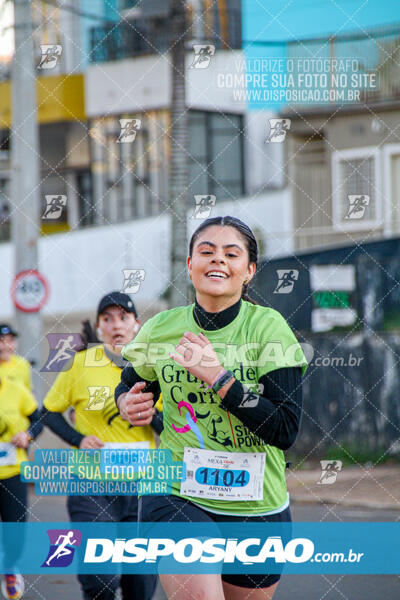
56 422
128 379
157 423
273 415
36 424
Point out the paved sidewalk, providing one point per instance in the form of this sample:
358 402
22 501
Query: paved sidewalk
372 487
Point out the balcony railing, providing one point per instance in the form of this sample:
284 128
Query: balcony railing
115 41
367 64
374 56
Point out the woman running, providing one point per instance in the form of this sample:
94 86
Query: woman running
12 365
19 424
88 387
246 400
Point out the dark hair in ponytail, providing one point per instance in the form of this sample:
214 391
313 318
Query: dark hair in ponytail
88 336
243 229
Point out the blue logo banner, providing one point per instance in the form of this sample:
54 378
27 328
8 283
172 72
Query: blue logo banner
346 548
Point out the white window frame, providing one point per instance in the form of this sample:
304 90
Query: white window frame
355 153
388 151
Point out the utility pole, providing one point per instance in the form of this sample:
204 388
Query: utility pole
25 196
178 178
198 20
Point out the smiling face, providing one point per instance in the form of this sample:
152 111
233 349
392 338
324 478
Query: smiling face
219 265
116 326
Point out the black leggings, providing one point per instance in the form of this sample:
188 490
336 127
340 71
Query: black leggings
114 509
13 508
175 509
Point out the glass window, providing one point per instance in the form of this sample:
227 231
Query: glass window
130 179
215 155
85 196
4 210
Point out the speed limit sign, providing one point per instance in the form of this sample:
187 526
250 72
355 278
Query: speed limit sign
29 291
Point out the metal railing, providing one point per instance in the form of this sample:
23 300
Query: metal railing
374 52
136 37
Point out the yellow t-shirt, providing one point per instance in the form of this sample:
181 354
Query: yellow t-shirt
88 386
18 369
16 404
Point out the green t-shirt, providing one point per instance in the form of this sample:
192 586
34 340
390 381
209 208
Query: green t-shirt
257 341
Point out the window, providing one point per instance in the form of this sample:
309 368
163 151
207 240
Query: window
125 184
4 143
356 189
127 191
130 180
85 198
4 210
391 186
216 154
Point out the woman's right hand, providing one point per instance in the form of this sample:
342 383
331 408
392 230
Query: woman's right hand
90 442
21 439
137 407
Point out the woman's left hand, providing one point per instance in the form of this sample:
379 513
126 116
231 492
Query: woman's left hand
196 354
21 439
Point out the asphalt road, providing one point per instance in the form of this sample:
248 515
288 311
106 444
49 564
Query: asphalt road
296 587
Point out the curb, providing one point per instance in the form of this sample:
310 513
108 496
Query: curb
377 488
347 502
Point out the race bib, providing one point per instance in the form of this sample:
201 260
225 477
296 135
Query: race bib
8 454
127 446
223 475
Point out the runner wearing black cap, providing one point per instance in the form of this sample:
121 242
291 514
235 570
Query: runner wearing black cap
88 387
13 366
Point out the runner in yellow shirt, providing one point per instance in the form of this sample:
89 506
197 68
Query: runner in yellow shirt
13 366
88 387
19 424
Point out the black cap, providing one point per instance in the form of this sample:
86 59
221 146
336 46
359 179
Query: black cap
116 299
6 329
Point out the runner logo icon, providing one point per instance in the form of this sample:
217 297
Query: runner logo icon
202 55
357 206
204 204
286 280
50 55
132 280
54 206
62 349
278 129
250 398
63 543
330 470
98 396
129 129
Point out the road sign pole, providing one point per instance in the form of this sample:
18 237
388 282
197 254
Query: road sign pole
25 178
